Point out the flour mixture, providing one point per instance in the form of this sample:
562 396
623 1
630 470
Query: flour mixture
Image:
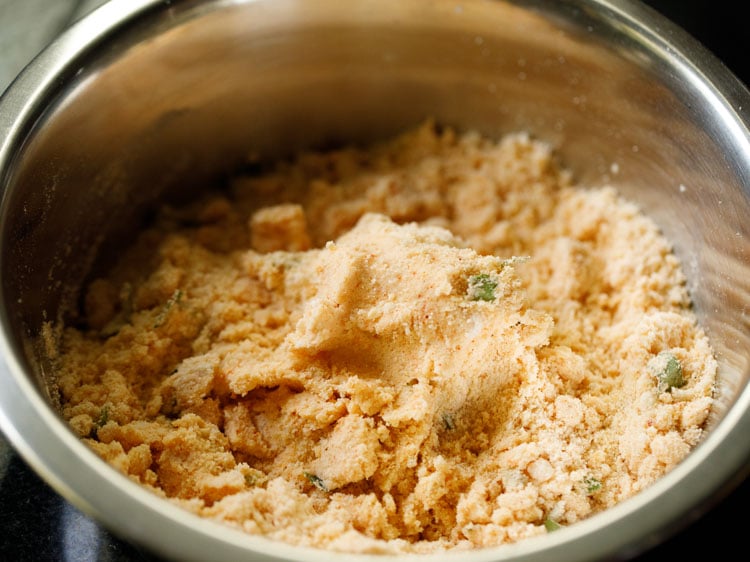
437 342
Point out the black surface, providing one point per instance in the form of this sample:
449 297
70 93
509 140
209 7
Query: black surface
37 524
717 24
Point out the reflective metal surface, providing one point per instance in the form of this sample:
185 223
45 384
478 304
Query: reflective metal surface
145 100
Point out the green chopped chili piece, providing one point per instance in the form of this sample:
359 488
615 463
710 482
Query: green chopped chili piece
552 525
482 287
173 300
316 481
593 485
255 478
449 422
668 371
103 416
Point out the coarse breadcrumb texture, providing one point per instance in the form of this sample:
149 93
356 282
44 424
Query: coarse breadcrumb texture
436 342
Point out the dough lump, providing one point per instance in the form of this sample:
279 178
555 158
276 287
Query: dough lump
436 342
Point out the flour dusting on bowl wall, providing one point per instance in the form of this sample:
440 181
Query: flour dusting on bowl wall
451 279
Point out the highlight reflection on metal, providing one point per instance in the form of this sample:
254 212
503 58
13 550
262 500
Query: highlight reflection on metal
27 26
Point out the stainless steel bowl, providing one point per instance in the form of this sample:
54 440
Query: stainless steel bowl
145 100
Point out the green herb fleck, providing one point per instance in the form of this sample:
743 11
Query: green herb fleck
668 371
449 422
593 485
512 261
103 416
552 525
482 287
173 300
316 481
254 478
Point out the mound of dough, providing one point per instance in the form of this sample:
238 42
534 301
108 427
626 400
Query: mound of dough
438 342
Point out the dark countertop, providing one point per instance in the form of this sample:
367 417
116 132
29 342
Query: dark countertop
37 524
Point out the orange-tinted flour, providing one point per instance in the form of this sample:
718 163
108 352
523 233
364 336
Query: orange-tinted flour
436 342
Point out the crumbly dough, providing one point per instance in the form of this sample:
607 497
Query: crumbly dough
436 342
